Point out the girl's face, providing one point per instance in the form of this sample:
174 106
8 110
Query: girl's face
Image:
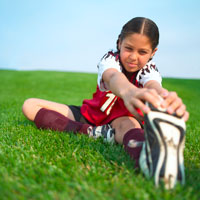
135 51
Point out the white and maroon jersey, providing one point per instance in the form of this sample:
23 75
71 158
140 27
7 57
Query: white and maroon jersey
105 106
111 60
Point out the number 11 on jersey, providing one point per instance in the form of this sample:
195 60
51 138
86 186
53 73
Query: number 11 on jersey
109 103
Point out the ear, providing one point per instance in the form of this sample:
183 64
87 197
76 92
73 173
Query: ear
153 53
119 43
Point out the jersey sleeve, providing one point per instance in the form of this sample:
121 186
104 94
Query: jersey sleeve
147 73
109 60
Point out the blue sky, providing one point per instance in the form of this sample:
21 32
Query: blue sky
74 35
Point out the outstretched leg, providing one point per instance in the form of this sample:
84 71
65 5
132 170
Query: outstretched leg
51 115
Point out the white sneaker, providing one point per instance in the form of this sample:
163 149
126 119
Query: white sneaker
162 153
105 131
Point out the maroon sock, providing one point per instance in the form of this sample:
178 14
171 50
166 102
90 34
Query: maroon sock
133 141
49 119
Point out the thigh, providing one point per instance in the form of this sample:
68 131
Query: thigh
122 125
33 105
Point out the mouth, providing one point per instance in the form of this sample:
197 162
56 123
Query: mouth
132 65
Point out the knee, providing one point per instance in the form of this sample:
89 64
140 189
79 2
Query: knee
27 103
122 126
128 124
27 106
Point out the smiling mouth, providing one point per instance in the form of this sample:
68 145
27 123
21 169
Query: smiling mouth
132 65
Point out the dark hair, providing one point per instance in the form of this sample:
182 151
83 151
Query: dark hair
143 26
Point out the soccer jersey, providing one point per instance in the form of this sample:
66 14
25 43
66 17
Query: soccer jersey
105 106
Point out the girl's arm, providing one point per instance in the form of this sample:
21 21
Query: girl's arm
132 96
155 85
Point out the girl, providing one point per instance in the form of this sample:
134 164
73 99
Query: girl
126 79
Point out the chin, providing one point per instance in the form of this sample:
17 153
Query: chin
132 70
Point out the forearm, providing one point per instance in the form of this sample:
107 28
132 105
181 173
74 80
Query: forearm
132 96
155 85
118 79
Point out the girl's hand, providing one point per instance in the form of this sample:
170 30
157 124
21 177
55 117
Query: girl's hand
135 98
173 103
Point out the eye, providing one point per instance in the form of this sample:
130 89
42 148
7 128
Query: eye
128 48
142 52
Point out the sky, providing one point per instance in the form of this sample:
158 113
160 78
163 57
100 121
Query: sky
67 35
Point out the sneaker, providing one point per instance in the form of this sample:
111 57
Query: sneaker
162 153
105 131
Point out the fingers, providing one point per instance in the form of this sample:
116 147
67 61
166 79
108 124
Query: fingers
138 101
151 96
133 107
170 101
181 110
174 104
140 105
164 93
138 116
185 116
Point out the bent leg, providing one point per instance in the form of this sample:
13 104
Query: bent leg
31 107
122 125
51 115
129 133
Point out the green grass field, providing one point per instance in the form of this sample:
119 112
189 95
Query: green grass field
42 164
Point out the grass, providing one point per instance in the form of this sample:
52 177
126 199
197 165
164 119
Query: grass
42 164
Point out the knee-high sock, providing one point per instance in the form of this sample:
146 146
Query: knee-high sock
133 141
49 119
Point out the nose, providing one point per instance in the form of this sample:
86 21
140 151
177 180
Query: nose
133 56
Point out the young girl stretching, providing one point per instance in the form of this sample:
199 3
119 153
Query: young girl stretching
127 78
